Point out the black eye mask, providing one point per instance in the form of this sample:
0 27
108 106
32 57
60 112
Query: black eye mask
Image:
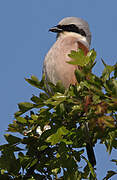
72 28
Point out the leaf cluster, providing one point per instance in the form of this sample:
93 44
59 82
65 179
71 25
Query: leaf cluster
52 125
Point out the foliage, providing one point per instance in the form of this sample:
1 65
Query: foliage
52 126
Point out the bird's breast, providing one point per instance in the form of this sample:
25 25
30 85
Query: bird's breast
55 66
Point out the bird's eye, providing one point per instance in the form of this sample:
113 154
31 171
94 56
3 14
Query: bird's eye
82 32
72 25
59 26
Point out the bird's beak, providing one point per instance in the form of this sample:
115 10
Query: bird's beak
56 29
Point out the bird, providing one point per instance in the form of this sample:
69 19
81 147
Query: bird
72 33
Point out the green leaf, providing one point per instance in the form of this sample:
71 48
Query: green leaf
34 161
107 71
79 75
74 175
9 162
35 99
111 86
90 167
58 136
27 161
78 58
77 154
34 78
55 171
34 117
115 70
82 60
10 147
114 90
21 120
109 141
60 87
18 113
15 127
110 174
92 54
12 139
25 106
35 82
59 97
56 99
42 147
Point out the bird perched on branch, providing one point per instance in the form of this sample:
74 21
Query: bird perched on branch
72 33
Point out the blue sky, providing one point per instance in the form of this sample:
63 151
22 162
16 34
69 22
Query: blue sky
24 41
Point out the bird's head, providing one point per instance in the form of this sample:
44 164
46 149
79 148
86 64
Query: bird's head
74 25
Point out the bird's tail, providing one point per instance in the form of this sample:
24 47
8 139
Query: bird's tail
90 154
89 147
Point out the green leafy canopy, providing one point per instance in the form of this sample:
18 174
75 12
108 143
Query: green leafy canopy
51 127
